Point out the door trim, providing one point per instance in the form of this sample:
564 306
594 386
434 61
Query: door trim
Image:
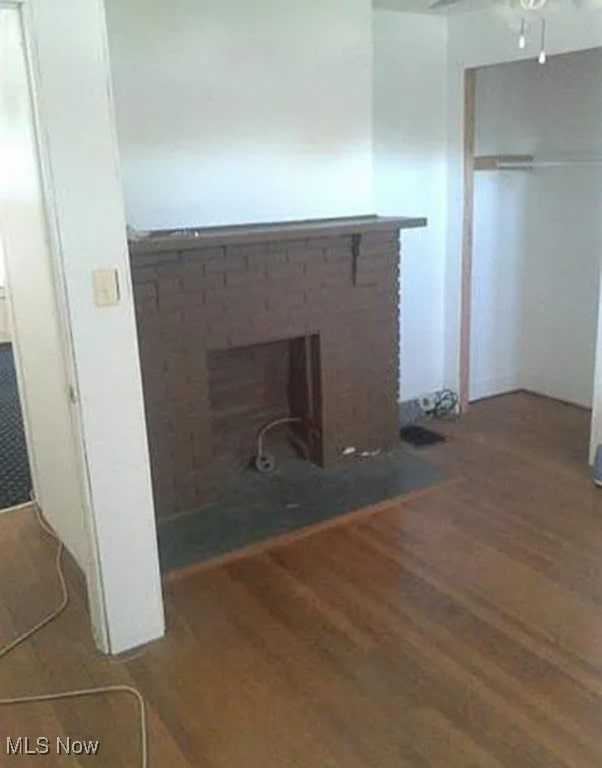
467 236
96 597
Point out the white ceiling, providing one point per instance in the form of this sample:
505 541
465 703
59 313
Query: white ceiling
422 6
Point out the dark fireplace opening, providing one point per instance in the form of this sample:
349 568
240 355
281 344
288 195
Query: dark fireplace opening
254 389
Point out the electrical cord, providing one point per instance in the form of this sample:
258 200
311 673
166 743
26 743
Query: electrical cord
271 425
57 612
100 691
445 405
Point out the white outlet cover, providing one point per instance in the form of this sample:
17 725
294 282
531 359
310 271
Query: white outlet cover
105 283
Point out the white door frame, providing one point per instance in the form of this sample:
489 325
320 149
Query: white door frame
91 567
84 211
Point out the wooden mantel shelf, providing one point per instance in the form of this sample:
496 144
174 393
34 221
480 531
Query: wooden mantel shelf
184 239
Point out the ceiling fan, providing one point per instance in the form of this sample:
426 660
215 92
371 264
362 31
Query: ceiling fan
525 9
524 5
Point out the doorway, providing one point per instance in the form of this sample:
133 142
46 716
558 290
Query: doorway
15 475
536 176
62 221
37 334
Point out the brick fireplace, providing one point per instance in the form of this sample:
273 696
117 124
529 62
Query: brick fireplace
239 326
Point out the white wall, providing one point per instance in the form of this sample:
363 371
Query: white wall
561 309
230 111
497 279
538 236
410 165
88 231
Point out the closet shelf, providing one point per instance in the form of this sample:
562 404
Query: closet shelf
496 162
527 162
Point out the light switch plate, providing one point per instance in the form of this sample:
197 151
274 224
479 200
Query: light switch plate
106 286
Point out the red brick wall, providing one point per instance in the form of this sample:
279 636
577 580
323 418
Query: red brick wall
192 301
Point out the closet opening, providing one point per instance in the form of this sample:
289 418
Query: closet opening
533 230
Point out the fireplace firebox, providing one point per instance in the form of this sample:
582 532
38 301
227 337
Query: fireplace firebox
254 389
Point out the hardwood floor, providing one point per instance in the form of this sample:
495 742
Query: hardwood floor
460 630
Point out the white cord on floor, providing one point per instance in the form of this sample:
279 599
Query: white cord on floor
64 593
107 689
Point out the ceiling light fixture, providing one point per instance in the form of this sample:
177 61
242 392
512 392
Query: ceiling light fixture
542 55
522 38
533 5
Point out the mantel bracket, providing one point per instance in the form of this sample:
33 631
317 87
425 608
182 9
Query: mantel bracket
356 247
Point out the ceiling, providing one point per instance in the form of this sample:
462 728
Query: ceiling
422 6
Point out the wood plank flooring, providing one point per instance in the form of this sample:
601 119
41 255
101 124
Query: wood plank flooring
462 629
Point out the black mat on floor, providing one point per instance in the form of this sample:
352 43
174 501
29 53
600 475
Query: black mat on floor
251 507
15 480
420 436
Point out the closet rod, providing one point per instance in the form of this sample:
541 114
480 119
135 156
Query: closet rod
502 166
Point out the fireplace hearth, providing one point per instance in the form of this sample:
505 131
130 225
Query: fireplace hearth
241 326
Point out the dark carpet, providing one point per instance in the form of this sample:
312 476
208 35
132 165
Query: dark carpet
251 507
15 479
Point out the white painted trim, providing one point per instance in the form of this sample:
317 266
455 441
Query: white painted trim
17 508
84 162
596 430
152 623
549 387
492 387
96 598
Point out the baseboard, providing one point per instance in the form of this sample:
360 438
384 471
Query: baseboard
557 392
491 387
563 400
26 506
